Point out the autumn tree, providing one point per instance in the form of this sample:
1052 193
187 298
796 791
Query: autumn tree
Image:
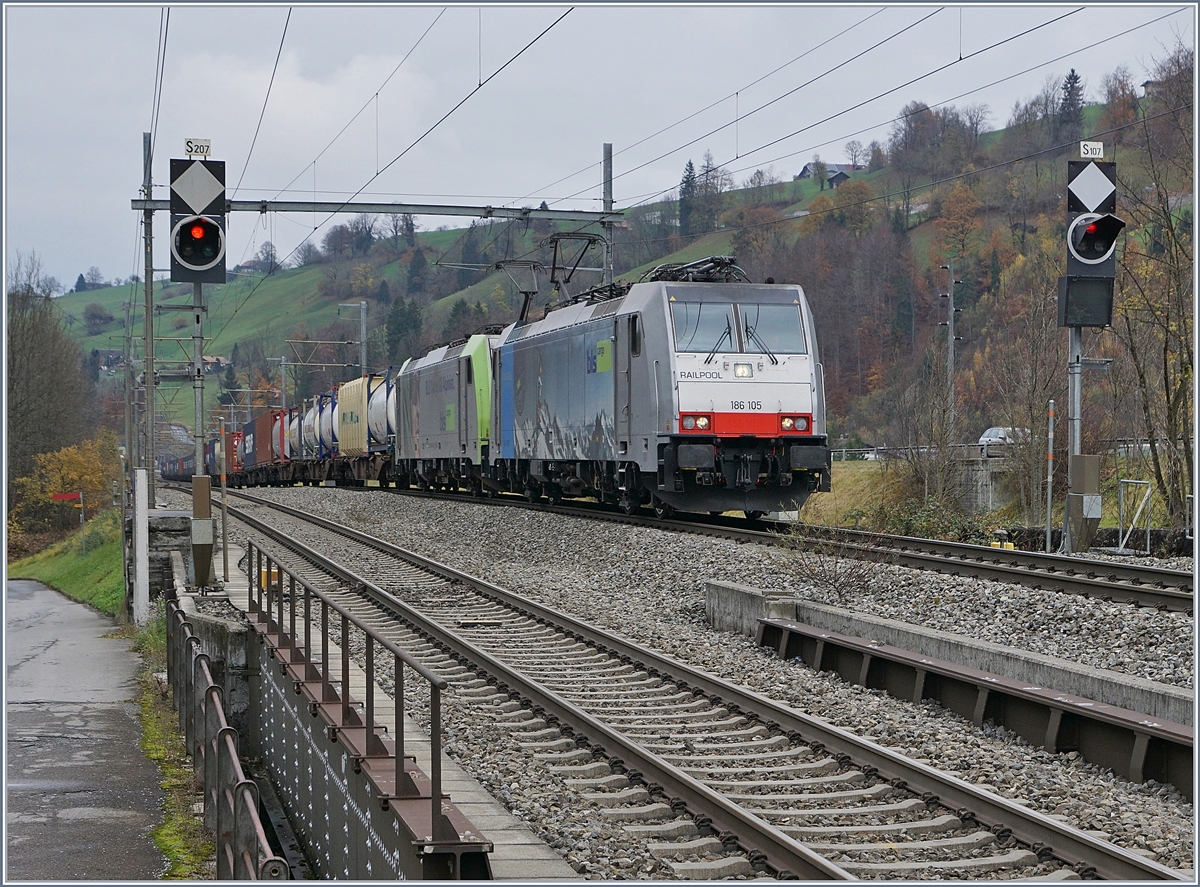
1020 366
89 467
1120 105
853 208
958 221
48 392
820 172
1154 318
757 232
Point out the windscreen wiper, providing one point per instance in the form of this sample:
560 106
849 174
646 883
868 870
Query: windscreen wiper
728 334
753 336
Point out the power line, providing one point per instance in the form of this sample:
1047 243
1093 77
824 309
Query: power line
441 120
952 178
366 104
266 99
708 107
160 64
876 97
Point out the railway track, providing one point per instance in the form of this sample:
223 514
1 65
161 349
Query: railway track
697 764
1140 585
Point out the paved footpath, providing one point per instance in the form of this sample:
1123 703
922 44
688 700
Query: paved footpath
81 795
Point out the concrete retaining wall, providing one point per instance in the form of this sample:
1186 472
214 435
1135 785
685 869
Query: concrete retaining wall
737 608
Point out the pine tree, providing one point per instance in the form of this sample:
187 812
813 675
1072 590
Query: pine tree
416 272
1070 109
687 199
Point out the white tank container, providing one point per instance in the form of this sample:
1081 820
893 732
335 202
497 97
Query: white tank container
327 424
279 442
310 431
379 413
294 434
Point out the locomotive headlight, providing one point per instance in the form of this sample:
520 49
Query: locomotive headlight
702 422
743 371
689 422
788 423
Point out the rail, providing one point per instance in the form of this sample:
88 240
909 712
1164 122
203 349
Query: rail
230 798
288 619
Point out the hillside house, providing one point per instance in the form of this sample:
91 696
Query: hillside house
835 173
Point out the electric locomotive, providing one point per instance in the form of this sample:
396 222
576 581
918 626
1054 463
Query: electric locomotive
694 390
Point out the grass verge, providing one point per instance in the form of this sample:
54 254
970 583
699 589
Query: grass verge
96 579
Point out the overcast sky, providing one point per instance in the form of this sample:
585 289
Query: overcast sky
663 84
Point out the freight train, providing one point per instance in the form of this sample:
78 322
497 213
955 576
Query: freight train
693 389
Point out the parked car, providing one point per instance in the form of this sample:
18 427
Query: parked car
1003 435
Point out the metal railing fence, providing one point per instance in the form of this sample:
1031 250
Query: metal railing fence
230 797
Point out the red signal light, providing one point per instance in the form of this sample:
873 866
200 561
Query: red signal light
197 232
1092 228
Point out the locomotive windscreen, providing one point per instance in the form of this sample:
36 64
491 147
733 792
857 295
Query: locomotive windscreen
747 328
699 326
772 329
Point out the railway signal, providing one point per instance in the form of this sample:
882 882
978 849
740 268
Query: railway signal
1085 298
1085 294
197 221
197 250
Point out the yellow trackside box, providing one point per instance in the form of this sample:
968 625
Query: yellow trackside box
268 577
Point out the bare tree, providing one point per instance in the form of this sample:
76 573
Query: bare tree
855 152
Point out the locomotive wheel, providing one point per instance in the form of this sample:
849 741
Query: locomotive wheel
754 515
630 506
532 494
554 494
662 510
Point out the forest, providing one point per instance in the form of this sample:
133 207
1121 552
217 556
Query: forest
876 241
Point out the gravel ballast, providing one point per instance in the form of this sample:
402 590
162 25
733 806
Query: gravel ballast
648 586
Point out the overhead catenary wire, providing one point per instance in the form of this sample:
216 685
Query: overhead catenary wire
266 99
709 106
366 104
951 178
874 98
395 159
160 64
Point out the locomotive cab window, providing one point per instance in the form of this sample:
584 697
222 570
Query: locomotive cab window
772 329
701 327
635 336
711 327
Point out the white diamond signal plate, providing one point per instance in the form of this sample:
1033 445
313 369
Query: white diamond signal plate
199 188
1092 187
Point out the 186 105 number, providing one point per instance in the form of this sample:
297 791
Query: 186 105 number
745 404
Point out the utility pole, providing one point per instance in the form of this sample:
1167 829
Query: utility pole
1049 474
950 340
608 205
127 350
198 372
362 333
282 381
147 461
